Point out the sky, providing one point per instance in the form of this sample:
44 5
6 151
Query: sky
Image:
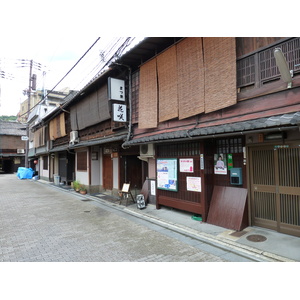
53 59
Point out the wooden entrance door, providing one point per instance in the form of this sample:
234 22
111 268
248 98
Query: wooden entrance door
107 172
275 188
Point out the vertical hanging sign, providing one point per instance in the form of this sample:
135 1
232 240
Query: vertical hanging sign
116 89
119 113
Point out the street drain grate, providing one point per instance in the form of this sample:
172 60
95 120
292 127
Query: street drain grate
85 200
256 238
87 211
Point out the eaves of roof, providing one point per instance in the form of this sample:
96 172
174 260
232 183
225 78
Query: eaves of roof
11 155
263 124
93 142
104 140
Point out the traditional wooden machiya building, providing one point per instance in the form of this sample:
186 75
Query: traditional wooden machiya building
219 128
12 146
80 140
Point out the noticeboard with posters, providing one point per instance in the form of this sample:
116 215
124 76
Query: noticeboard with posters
167 174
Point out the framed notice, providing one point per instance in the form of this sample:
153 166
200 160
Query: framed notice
186 165
167 174
193 184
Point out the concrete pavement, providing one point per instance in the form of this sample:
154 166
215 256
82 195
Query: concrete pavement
218 241
274 247
41 223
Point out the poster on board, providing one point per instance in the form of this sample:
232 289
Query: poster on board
193 184
220 164
167 174
186 165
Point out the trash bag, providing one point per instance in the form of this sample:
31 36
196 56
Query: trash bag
25 173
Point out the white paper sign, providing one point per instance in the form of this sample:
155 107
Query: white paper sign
186 165
116 89
193 184
152 191
120 114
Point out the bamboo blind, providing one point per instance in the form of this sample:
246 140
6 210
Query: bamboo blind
90 110
190 71
73 117
220 73
167 85
57 127
39 137
148 95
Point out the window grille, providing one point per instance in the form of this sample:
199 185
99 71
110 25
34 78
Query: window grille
135 83
246 71
266 68
234 145
81 161
45 162
179 150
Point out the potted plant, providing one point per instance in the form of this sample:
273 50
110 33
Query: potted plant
76 186
82 189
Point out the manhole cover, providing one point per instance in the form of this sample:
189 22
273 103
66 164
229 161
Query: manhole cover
256 238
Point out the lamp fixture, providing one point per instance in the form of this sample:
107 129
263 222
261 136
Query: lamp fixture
282 65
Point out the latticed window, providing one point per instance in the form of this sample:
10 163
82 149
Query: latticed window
246 71
81 161
179 150
135 82
265 69
291 51
234 145
45 162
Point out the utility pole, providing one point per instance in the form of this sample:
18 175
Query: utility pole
28 111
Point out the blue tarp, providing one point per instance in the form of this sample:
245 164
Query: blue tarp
25 173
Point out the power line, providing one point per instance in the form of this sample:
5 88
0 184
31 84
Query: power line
62 78
116 54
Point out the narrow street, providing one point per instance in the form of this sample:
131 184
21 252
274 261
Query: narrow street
40 223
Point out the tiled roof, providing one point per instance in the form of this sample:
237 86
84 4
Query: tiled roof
12 128
203 132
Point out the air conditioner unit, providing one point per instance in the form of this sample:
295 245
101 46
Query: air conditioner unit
147 150
20 151
74 137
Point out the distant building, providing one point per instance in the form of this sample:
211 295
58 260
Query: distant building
12 147
54 98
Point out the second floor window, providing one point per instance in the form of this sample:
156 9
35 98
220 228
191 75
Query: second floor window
260 68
